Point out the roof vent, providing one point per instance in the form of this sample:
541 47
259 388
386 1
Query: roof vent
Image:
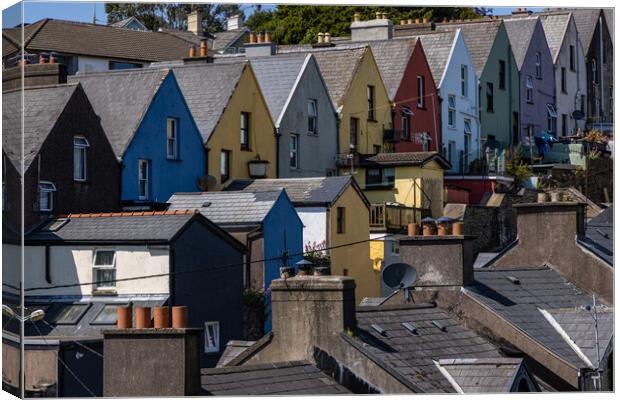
410 328
603 234
206 204
514 280
439 325
55 225
378 329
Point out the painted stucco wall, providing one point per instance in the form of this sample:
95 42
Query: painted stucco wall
466 106
166 177
403 191
355 104
576 81
247 98
354 258
505 101
535 113
92 64
73 264
316 151
426 118
314 220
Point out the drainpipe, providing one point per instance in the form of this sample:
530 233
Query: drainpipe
276 132
600 60
510 110
337 141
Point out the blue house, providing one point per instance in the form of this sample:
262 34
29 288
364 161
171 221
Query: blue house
266 222
151 130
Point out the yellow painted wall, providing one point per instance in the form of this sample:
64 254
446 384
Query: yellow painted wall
247 97
355 104
355 258
377 254
403 191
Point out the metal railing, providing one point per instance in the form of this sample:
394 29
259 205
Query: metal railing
391 217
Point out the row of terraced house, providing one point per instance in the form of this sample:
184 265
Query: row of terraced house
180 168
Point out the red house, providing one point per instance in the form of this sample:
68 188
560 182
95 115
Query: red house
411 87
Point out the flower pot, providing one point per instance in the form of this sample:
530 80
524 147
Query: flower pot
556 197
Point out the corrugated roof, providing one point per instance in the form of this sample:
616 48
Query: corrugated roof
207 89
280 378
121 99
479 37
437 47
520 32
227 208
42 106
277 77
117 227
412 354
100 41
520 304
301 191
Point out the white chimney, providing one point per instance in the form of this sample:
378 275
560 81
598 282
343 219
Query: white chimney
194 23
234 22
376 29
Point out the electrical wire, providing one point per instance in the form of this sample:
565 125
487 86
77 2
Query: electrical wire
73 341
205 269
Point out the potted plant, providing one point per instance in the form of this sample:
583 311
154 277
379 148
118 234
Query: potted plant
317 254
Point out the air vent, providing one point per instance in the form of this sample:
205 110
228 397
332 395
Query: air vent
378 329
206 204
514 280
410 328
439 325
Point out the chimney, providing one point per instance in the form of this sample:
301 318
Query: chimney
203 54
194 23
310 311
357 17
262 47
34 75
379 28
152 362
234 22
440 261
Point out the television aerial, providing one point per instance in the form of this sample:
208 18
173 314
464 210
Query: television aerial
399 276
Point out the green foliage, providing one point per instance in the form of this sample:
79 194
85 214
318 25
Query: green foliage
300 24
172 15
516 167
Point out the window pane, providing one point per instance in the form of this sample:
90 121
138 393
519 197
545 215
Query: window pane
388 175
212 337
105 277
68 313
45 200
79 161
104 257
107 315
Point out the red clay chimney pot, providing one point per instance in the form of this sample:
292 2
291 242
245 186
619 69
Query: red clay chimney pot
179 317
124 317
160 317
143 317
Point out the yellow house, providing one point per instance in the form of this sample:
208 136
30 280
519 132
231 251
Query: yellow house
232 116
335 214
358 93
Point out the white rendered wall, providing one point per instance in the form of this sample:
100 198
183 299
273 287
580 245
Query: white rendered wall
315 224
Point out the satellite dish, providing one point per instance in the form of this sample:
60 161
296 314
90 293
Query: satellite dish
206 183
399 275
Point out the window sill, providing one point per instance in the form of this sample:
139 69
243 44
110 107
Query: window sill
372 120
85 181
421 107
104 292
173 159
491 111
245 149
453 127
529 102
313 134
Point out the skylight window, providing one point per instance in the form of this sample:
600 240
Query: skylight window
68 314
55 225
107 315
439 325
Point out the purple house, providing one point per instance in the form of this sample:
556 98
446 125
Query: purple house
537 82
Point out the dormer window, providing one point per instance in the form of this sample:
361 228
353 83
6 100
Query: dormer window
80 146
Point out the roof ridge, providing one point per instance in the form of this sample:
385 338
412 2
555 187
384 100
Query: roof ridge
121 72
38 87
127 214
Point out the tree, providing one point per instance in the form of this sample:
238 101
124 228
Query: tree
300 24
172 15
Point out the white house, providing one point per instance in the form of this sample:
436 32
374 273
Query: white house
455 76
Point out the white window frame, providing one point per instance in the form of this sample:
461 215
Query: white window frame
172 137
225 164
452 110
529 89
214 339
538 65
104 267
80 144
294 151
420 80
313 117
145 179
464 80
48 188
245 125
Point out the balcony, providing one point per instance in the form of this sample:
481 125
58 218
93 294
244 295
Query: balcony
393 218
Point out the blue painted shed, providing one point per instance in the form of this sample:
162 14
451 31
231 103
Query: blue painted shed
150 128
266 222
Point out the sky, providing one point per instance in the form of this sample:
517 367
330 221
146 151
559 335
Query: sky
84 12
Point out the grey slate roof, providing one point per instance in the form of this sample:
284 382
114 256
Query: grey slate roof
405 158
609 18
520 32
115 227
479 38
277 77
437 47
555 26
121 99
338 66
224 39
301 191
227 208
392 57
586 20
207 89
412 355
281 378
519 304
599 235
41 109
492 375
